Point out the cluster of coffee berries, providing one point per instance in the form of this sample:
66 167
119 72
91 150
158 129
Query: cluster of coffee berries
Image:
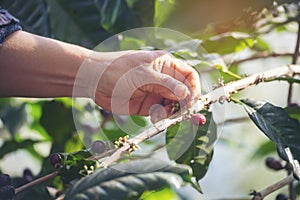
198 119
7 191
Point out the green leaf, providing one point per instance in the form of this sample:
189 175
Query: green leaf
144 11
74 144
294 112
198 153
264 149
76 165
276 124
13 117
228 43
261 45
76 22
129 180
115 16
166 193
12 145
35 111
57 120
163 9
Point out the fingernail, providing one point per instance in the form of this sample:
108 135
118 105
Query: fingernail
181 91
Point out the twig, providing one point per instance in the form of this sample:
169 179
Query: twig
262 55
272 188
214 96
296 53
294 61
292 192
35 182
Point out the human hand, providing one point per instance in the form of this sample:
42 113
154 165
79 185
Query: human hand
137 82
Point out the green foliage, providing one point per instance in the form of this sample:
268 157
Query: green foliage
192 145
13 116
12 145
57 120
163 10
76 165
228 43
277 125
264 149
294 112
34 15
165 193
129 180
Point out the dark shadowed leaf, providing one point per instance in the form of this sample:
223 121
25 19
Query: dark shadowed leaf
116 16
143 10
33 15
121 182
276 124
13 117
12 145
294 112
57 120
191 145
76 22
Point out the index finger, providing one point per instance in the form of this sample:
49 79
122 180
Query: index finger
182 72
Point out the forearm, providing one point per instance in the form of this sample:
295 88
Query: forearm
34 66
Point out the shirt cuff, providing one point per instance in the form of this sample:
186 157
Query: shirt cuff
8 25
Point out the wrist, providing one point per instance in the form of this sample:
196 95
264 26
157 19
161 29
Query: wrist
89 73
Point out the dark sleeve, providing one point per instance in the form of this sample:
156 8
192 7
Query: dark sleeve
8 25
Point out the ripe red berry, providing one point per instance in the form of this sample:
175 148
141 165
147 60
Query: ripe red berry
198 119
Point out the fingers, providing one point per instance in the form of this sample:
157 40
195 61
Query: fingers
167 87
163 110
180 71
157 113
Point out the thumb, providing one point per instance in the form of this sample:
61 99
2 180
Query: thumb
167 87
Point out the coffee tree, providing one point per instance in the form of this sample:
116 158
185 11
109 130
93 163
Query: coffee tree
108 161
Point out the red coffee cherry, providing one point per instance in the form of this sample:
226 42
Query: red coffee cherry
198 119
